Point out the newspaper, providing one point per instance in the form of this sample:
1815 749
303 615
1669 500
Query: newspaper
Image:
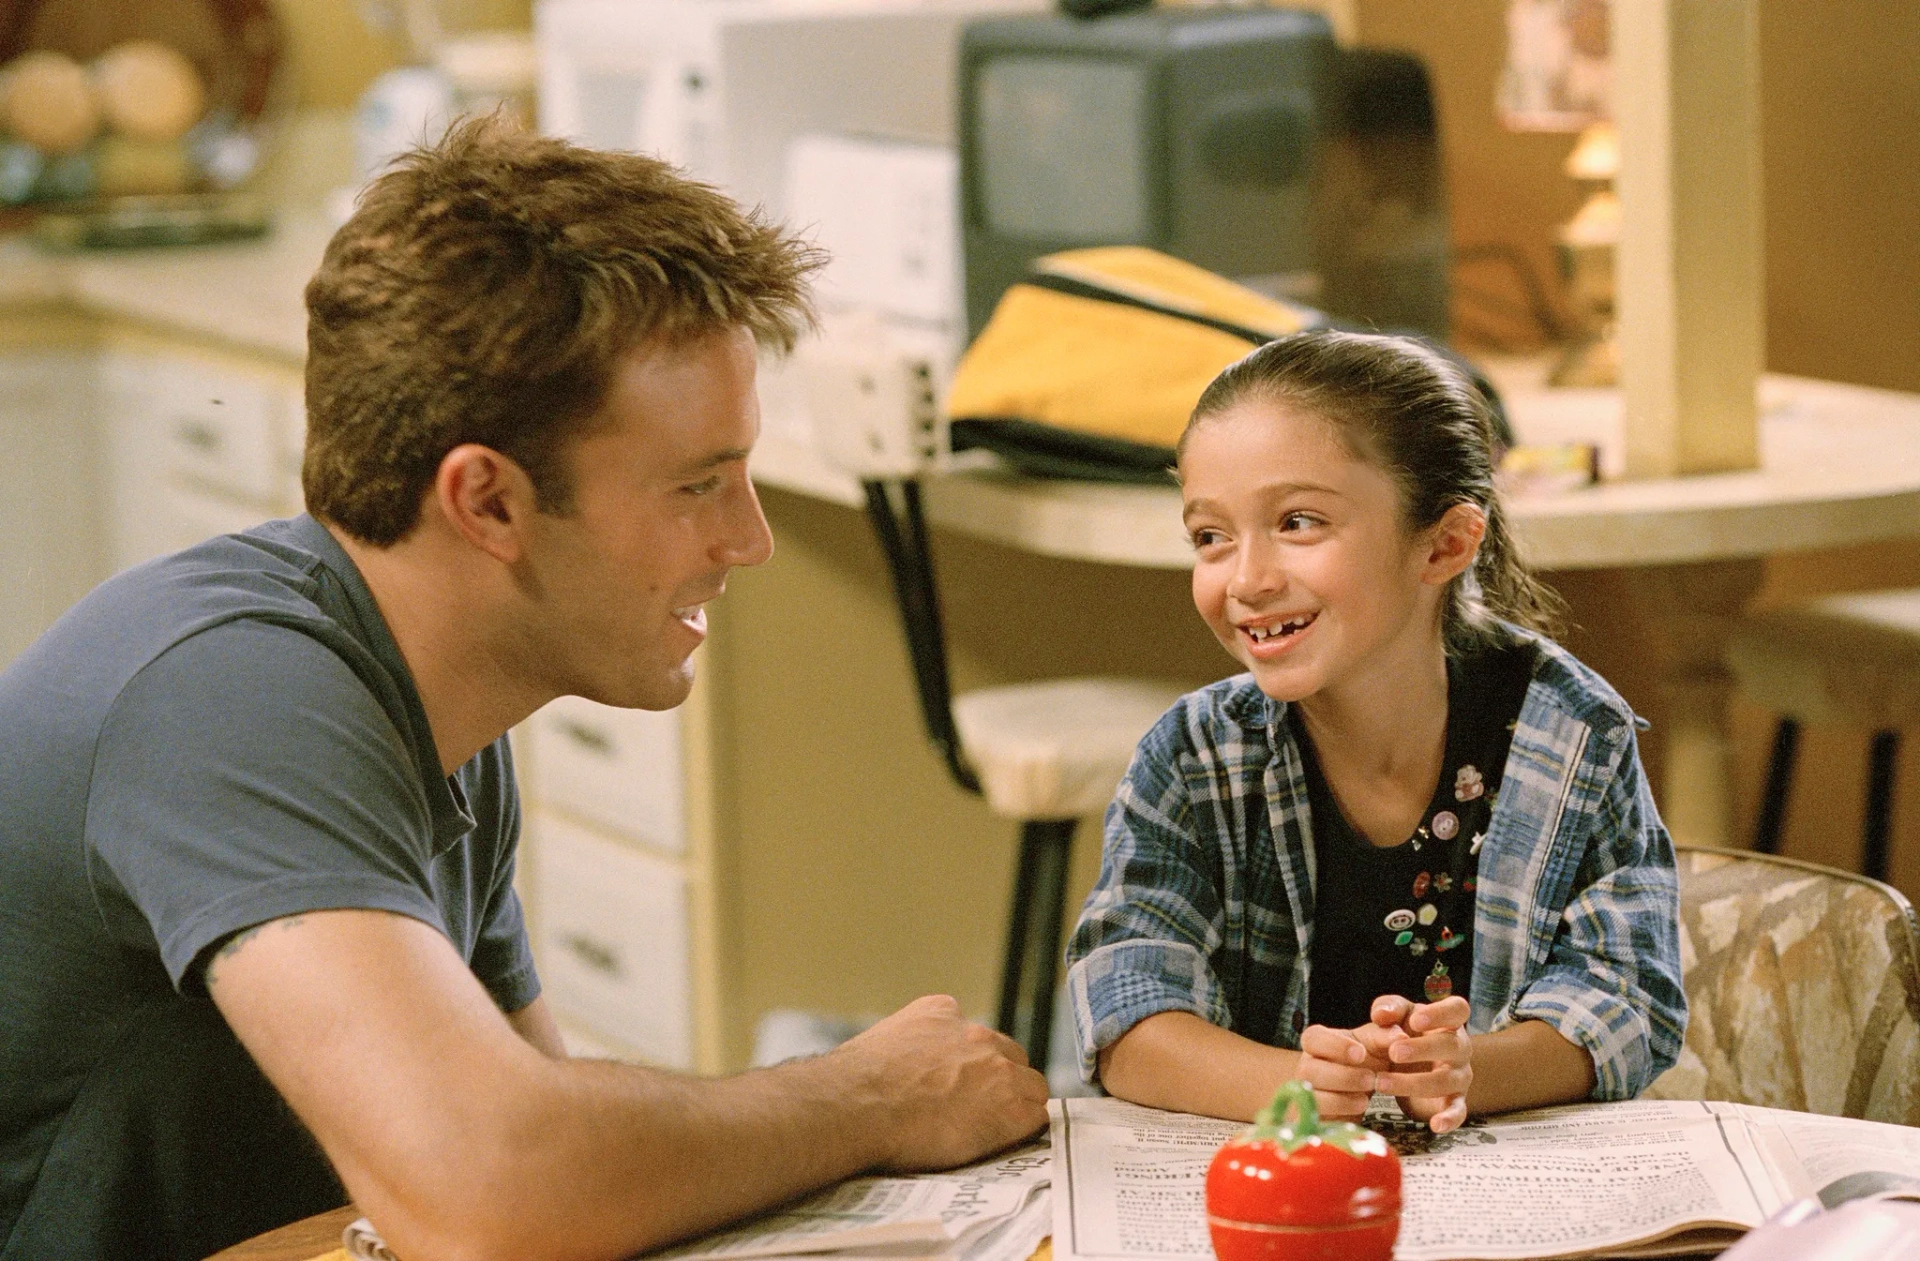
996 1210
1639 1179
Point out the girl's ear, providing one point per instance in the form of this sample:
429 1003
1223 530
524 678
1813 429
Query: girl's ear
1453 543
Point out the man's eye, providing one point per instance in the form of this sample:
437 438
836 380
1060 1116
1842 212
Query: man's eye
704 487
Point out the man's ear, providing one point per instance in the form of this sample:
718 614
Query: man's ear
486 498
1453 543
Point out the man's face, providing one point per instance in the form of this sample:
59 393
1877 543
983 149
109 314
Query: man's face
662 510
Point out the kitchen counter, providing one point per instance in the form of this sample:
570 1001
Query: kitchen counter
1840 463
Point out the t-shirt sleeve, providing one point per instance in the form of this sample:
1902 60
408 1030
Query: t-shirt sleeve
247 774
502 959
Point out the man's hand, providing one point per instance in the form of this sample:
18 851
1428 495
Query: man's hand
1428 1055
953 1091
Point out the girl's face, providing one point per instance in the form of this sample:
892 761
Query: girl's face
1302 565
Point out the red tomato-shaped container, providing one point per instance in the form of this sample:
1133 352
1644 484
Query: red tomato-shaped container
1293 1188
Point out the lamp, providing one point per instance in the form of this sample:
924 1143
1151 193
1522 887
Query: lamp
1558 79
1587 244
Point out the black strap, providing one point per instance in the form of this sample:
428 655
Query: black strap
903 535
1092 292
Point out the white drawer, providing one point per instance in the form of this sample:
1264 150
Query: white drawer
618 767
582 1045
221 427
188 516
293 447
611 941
158 519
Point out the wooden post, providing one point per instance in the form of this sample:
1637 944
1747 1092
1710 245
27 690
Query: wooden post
1687 611
1690 301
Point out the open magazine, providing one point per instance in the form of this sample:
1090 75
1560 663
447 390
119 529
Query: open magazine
1639 1179
996 1210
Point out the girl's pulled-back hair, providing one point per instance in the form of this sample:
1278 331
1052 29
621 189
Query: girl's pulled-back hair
1407 409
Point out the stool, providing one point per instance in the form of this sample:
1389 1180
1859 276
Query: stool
1850 659
1044 754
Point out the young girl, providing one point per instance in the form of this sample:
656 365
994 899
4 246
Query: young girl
1412 850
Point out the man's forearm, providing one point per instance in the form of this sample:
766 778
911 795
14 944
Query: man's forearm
600 1159
460 1138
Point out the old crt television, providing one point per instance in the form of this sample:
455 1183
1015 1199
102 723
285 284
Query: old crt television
1240 139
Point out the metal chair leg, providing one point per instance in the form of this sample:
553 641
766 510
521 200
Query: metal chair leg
1878 826
1031 967
1773 804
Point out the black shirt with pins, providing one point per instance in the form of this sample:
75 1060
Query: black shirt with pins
1398 919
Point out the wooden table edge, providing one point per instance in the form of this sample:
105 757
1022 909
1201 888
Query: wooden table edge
315 1237
303 1240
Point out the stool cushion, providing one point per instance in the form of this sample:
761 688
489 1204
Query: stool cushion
1057 749
1851 659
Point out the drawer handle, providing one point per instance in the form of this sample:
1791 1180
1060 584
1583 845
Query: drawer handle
601 958
587 738
200 437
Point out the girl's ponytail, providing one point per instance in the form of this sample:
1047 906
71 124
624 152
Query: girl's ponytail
1508 589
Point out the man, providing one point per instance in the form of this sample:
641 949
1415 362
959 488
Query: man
258 810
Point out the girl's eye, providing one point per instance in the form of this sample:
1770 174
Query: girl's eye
1299 521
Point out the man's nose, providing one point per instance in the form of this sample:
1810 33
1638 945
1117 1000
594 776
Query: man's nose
748 539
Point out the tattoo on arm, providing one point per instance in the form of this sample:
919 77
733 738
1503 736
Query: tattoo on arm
231 946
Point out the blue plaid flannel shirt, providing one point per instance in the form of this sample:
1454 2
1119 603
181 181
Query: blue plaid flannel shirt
1205 897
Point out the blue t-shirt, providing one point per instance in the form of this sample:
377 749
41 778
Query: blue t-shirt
219 738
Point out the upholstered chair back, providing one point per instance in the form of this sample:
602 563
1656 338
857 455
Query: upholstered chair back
1803 984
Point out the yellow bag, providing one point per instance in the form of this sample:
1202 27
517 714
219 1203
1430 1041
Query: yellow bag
1091 365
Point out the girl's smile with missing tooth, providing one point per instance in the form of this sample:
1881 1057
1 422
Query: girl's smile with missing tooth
1303 568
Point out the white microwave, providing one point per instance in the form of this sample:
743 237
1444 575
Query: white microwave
721 87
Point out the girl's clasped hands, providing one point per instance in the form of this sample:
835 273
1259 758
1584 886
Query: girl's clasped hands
1418 1052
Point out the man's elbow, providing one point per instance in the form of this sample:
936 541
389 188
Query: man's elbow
512 1179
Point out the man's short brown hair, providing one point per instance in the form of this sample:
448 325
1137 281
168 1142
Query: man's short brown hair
483 292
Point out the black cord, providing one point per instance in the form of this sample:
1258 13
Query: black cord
905 541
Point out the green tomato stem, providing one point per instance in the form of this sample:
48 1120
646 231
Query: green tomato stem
1292 1120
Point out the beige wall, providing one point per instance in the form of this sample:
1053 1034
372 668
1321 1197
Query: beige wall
1840 143
1840 104
332 56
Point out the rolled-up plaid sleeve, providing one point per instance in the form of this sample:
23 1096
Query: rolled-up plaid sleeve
1154 919
1612 978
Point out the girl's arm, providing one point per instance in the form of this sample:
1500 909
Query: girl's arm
1178 1061
1612 981
1528 1064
